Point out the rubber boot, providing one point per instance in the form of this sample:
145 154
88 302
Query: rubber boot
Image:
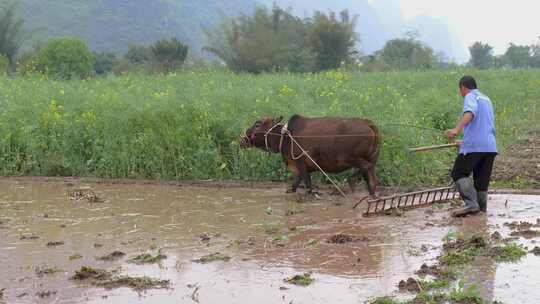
468 194
482 200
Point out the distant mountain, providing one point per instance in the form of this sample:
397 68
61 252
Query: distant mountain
114 24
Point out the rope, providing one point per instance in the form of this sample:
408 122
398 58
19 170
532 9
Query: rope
269 132
304 152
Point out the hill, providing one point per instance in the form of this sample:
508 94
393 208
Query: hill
114 24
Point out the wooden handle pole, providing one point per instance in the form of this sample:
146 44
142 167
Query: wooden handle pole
429 148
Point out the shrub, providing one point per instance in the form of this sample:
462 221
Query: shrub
169 54
104 62
4 64
65 58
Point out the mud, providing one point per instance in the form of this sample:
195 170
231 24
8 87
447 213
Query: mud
410 285
186 223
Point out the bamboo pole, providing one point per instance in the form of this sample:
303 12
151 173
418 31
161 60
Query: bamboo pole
429 148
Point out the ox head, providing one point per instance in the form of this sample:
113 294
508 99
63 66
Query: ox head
255 136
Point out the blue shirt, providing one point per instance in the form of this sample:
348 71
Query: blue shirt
479 134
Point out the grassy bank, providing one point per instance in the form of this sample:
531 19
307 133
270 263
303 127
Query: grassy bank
186 126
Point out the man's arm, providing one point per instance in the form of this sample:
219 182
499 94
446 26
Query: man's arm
466 119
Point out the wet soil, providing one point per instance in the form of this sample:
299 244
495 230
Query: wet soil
185 223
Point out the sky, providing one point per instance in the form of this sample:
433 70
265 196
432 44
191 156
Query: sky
496 22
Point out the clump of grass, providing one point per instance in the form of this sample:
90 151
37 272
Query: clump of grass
434 284
86 273
312 242
425 297
507 253
459 257
105 279
281 238
212 258
271 228
300 279
45 270
55 243
459 251
147 258
468 295
384 300
75 256
135 283
113 256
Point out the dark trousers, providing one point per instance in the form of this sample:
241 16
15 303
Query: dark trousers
478 163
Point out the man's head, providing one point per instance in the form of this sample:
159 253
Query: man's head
466 84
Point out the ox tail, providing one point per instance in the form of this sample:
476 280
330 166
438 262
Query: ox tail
376 143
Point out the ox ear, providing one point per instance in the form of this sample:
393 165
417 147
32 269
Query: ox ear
278 119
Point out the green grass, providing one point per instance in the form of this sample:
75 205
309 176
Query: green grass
384 300
300 279
508 253
434 284
460 294
186 125
461 251
147 258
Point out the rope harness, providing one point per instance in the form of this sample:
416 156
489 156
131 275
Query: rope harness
285 132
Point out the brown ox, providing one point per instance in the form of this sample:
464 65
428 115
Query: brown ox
335 144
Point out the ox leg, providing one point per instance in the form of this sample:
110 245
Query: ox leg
296 182
368 173
353 180
297 177
371 180
306 176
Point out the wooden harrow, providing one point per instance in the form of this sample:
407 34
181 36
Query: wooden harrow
412 199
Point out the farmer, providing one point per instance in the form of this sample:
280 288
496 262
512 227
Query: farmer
477 149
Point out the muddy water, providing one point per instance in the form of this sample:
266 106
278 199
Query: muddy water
269 235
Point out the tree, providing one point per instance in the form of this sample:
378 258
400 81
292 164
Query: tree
138 54
265 41
406 54
332 40
4 64
276 40
535 56
169 54
12 33
517 56
65 58
104 62
481 55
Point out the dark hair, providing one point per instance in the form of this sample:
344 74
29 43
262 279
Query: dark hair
468 82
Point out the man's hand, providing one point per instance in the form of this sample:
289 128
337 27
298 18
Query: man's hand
451 133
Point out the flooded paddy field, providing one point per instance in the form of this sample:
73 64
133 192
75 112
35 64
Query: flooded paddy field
162 243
